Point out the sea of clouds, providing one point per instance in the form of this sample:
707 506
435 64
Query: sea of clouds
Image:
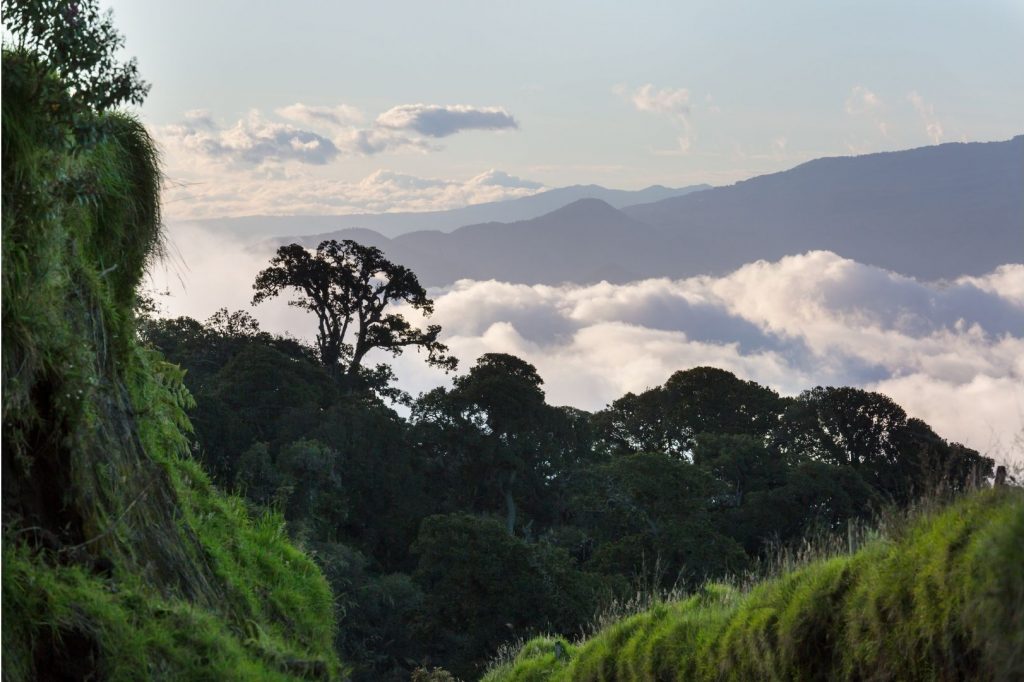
951 353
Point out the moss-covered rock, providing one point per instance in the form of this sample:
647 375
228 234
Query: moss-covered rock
119 558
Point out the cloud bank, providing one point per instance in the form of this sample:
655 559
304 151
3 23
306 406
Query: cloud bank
286 163
951 353
326 133
297 193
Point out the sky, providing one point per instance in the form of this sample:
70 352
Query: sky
319 108
299 108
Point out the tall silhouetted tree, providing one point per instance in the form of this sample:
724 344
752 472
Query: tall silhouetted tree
351 289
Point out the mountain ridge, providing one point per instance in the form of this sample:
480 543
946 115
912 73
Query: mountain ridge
931 213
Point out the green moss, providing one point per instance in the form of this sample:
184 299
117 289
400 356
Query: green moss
944 601
119 556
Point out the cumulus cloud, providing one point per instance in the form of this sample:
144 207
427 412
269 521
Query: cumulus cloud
952 353
435 120
252 141
325 133
932 125
497 178
284 164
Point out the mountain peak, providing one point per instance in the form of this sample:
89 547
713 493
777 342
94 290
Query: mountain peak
586 208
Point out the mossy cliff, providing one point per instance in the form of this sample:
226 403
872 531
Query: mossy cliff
944 600
119 557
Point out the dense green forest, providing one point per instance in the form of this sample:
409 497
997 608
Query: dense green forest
190 499
488 515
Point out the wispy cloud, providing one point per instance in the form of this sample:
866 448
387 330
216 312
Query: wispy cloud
254 193
932 125
671 102
865 104
337 116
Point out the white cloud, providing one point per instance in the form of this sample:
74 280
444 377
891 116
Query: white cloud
932 125
861 100
298 193
285 165
866 105
951 353
251 142
435 120
327 132
337 116
670 101
497 178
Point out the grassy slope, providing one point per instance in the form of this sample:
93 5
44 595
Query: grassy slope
120 560
943 601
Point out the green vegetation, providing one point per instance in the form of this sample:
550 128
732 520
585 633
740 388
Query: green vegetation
941 600
433 540
489 515
120 559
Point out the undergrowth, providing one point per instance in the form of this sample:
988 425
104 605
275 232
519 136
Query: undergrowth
120 560
938 598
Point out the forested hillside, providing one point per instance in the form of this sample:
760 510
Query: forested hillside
488 515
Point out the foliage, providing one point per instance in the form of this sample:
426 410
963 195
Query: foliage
943 601
700 400
120 559
348 287
78 44
482 586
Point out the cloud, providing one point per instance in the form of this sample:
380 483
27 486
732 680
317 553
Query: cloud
932 125
671 102
337 116
298 193
861 100
251 142
326 133
865 104
285 165
950 353
497 178
435 120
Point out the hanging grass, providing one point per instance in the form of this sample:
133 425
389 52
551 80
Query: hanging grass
120 559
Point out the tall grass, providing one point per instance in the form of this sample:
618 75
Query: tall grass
934 594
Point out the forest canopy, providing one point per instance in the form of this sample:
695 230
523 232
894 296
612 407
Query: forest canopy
488 514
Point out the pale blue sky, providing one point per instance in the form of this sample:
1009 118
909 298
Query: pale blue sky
768 85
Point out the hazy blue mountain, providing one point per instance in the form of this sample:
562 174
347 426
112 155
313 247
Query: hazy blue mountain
394 224
932 212
935 212
583 241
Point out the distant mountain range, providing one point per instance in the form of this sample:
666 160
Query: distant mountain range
394 224
931 213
